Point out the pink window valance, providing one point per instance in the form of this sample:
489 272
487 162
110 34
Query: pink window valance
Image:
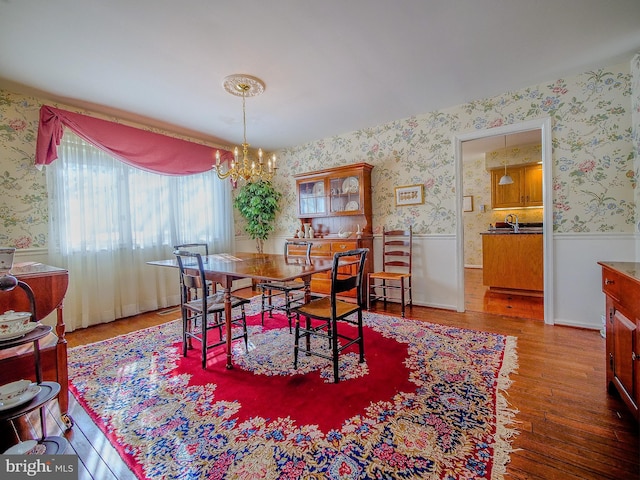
142 149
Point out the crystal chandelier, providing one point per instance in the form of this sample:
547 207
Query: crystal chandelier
245 169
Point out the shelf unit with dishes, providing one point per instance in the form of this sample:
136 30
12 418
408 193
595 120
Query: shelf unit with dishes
336 203
37 395
336 199
23 328
49 286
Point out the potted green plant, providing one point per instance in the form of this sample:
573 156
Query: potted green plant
258 203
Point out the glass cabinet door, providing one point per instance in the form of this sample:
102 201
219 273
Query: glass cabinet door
311 196
344 194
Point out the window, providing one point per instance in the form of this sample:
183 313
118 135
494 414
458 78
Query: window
107 219
103 203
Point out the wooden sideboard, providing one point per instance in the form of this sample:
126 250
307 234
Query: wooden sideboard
326 248
49 285
621 286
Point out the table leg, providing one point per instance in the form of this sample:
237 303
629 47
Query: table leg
227 319
307 288
307 299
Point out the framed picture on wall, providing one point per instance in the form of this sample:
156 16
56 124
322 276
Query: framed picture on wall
409 195
467 203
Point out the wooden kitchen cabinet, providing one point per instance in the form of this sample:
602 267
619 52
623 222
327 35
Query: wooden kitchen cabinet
621 286
525 191
533 185
506 196
336 200
513 262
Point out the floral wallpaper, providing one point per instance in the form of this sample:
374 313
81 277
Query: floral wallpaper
594 176
23 191
593 171
635 118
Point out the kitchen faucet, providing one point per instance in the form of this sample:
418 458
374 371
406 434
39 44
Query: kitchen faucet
509 220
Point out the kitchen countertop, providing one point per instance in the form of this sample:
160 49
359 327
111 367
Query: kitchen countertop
509 231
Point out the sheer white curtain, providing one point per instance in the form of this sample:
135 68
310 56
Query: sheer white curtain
107 219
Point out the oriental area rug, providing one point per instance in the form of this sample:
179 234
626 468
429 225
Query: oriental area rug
427 403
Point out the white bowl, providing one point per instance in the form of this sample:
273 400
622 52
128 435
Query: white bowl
11 321
344 234
11 391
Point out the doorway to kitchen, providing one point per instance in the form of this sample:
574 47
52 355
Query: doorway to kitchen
491 165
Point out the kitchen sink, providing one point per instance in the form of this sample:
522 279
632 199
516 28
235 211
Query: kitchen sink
526 227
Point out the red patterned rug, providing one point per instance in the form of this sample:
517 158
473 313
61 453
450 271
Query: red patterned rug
427 403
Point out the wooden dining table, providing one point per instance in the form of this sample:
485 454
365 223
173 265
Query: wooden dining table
224 268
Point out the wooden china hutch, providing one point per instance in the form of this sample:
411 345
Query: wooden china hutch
336 204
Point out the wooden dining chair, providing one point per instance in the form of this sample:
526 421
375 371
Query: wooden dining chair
291 292
204 312
394 281
202 249
346 275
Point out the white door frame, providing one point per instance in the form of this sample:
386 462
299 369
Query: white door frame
544 125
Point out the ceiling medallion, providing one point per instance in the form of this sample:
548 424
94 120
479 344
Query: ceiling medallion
239 85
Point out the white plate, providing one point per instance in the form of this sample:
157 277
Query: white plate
351 206
21 448
17 334
350 185
318 188
14 389
10 315
31 392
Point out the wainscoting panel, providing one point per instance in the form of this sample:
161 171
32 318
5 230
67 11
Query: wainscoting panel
579 300
578 297
434 267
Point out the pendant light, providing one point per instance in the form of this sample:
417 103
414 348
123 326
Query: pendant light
505 179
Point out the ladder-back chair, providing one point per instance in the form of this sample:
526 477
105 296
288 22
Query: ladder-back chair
291 292
202 249
203 312
394 281
347 274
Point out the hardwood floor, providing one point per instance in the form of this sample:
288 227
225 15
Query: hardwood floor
569 426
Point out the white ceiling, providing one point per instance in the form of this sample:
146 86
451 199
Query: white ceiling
330 66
